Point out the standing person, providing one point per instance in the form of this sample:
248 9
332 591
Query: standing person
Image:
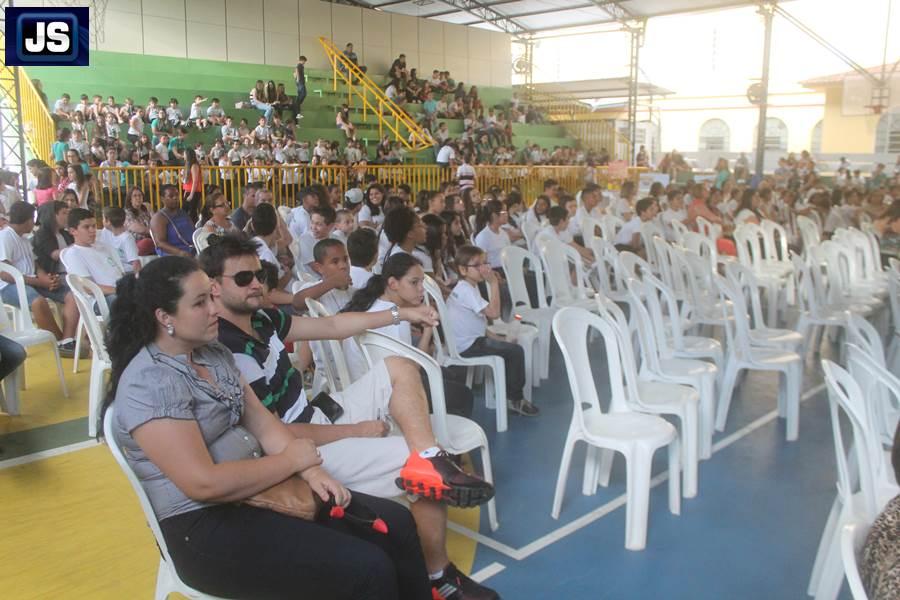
300 80
465 173
172 228
192 188
203 445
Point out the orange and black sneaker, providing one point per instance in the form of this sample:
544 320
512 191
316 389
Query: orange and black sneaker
438 478
454 585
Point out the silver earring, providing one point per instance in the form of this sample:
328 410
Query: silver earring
170 329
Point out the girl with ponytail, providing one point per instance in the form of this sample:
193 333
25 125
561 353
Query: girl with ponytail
204 447
405 233
401 284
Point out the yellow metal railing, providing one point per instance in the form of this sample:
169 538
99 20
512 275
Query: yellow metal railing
286 182
390 115
39 129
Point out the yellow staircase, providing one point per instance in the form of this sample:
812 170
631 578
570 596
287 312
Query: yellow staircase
596 130
360 88
37 126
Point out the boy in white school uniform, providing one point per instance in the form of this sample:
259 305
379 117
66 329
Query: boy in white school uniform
89 258
362 247
469 312
115 235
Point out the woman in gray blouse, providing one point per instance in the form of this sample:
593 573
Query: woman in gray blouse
200 442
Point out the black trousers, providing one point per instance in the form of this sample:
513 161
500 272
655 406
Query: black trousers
12 355
457 397
513 357
239 551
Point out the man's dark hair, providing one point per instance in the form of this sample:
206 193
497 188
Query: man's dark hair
264 220
556 215
21 212
590 189
271 270
322 246
213 257
549 183
362 246
326 212
115 215
77 215
166 187
643 204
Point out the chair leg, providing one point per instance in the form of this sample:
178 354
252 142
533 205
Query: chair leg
731 372
638 467
690 436
95 395
59 369
488 472
832 576
495 378
675 453
563 472
822 552
11 392
591 469
164 583
802 328
79 333
707 414
793 383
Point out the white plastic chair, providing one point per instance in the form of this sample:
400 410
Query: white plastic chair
515 261
201 239
88 296
742 278
742 355
455 434
331 353
816 313
167 580
774 277
558 260
286 213
28 335
637 436
610 226
606 278
447 355
97 300
679 230
853 538
589 227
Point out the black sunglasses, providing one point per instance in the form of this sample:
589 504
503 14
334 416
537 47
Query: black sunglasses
245 278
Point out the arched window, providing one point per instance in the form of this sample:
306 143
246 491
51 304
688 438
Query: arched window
715 136
815 142
887 135
776 135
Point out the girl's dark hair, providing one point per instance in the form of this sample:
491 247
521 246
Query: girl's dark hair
264 220
132 319
747 201
44 240
491 207
44 178
434 228
398 223
395 266
375 208
423 198
452 242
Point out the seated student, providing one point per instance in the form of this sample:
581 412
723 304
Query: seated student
372 213
590 205
332 265
674 212
299 221
264 229
51 237
321 224
629 236
538 211
40 286
164 329
362 247
172 227
89 258
405 233
401 284
560 230
469 312
492 238
353 445
241 215
344 225
115 235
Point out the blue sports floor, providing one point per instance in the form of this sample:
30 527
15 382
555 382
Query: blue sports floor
751 532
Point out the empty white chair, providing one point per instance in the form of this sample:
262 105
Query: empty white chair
455 434
610 226
515 261
742 278
88 296
810 233
637 436
560 262
815 312
606 277
167 580
330 352
524 335
26 334
447 356
742 355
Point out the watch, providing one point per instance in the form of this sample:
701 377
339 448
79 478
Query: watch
395 314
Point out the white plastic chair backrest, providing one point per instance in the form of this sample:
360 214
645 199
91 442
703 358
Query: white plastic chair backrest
378 346
149 515
286 213
809 232
853 538
744 279
881 390
663 309
816 218
748 239
640 317
201 239
811 289
608 276
710 230
444 341
571 326
775 241
556 258
839 267
868 258
863 334
530 229
332 353
737 331
679 230
589 227
651 230
515 261
87 296
24 313
893 276
845 396
703 246
610 226
633 266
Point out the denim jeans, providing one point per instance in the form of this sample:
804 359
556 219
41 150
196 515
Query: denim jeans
267 109
301 96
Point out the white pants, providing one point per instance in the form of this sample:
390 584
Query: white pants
367 465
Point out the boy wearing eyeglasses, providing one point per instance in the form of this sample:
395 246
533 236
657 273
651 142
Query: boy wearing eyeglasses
469 313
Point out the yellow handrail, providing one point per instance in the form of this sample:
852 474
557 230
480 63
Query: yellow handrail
286 182
389 113
38 128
